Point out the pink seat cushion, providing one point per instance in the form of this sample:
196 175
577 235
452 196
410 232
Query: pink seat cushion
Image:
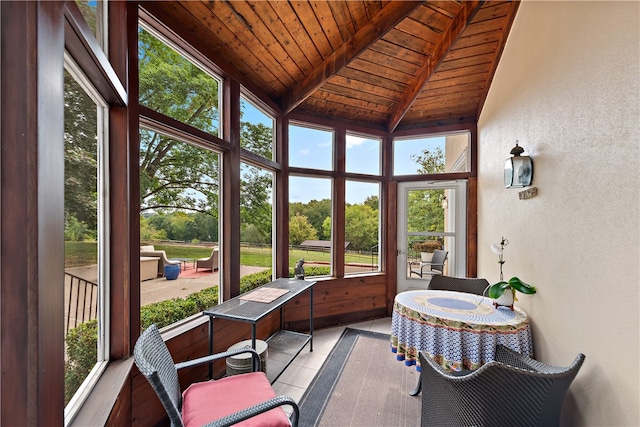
208 401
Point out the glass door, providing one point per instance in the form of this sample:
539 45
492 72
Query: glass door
434 212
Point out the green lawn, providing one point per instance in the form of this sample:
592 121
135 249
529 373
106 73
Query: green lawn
85 253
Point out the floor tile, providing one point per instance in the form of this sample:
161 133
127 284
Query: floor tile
299 376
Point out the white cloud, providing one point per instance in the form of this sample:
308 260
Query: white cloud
354 141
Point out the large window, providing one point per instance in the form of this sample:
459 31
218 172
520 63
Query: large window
179 186
257 135
316 181
86 237
431 155
363 155
310 197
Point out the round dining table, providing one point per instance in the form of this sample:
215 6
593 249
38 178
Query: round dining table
458 330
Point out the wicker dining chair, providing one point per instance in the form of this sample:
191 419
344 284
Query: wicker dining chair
222 402
513 390
460 284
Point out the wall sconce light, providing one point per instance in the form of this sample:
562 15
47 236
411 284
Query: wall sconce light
518 169
445 202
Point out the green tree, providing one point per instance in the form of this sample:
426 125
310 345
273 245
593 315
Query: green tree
255 197
326 228
316 211
251 234
80 161
424 210
424 207
257 138
361 227
300 229
205 226
373 202
430 161
174 174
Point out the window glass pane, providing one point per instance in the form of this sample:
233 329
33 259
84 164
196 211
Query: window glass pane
256 133
363 155
93 12
426 211
310 223
256 220
362 227
310 148
429 155
83 237
174 86
179 229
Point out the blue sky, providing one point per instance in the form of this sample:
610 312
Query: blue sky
312 148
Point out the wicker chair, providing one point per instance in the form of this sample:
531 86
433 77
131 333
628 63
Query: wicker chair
513 390
210 263
470 285
221 402
432 268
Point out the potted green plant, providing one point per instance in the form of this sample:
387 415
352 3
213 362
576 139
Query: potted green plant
426 249
497 290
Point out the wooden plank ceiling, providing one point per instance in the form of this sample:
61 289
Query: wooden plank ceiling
386 64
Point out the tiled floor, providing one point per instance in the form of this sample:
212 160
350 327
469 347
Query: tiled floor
298 376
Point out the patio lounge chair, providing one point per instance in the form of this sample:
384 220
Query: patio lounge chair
210 263
431 268
512 390
150 251
220 402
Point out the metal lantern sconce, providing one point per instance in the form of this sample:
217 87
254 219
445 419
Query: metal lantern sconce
518 169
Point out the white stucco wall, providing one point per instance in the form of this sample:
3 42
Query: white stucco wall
567 88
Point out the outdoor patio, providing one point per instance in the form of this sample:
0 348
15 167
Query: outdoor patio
161 289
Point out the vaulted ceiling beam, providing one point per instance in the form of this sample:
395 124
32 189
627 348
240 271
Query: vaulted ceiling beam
382 22
449 37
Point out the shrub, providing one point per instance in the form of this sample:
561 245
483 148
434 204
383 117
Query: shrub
427 246
313 271
82 355
252 281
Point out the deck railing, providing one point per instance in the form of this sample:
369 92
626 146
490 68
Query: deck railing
81 301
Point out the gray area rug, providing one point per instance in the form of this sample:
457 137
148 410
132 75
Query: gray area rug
362 384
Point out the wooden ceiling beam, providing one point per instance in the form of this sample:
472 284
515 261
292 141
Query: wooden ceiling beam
449 37
382 22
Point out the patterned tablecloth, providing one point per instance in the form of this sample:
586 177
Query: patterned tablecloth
459 330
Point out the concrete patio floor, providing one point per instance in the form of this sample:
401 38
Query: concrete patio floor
161 289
